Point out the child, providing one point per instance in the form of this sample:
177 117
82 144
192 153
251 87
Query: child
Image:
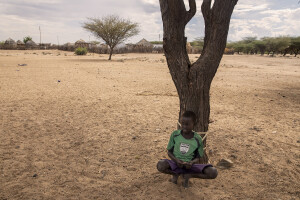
185 148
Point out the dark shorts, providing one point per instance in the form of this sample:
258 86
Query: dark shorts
195 169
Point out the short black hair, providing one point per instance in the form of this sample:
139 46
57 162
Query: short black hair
190 114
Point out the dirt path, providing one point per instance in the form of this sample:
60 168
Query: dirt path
87 128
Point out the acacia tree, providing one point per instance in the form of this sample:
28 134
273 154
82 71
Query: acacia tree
112 29
260 46
295 45
198 43
193 80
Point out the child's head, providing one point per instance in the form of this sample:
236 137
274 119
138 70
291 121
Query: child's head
188 121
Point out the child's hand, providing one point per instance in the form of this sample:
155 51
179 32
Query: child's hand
188 165
180 163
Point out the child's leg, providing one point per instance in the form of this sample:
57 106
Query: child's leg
164 167
208 173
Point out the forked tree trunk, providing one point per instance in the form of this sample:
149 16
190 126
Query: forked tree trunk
193 81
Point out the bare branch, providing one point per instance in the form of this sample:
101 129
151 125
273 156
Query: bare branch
191 13
206 11
205 8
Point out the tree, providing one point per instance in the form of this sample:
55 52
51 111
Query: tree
112 29
295 45
282 43
260 46
193 80
26 39
238 47
275 45
198 43
247 40
248 48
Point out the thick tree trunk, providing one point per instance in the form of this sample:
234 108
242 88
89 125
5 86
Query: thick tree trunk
193 81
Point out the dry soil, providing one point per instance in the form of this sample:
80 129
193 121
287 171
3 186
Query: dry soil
82 127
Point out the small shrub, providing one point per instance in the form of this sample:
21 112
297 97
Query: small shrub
26 39
81 51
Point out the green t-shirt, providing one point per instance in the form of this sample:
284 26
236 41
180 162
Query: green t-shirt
185 149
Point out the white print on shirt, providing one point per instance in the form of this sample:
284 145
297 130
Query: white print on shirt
184 148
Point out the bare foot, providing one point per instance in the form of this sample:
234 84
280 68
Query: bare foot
174 179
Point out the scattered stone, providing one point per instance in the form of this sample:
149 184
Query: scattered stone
298 141
34 175
58 81
131 169
225 164
103 174
274 132
233 156
22 64
210 152
134 137
255 128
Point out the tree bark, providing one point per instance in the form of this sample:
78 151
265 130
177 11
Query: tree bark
110 53
193 81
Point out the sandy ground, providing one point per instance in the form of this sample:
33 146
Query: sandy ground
85 128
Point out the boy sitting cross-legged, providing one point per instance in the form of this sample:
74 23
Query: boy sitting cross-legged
185 148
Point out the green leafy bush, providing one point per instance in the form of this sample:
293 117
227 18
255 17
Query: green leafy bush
26 39
81 51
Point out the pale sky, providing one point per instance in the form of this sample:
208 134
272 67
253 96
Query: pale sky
64 18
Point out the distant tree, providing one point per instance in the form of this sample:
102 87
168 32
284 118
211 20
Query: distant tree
278 44
238 47
270 44
112 29
230 45
282 43
247 40
26 39
260 46
198 43
248 48
295 45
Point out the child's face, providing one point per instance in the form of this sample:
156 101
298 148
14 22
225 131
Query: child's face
187 124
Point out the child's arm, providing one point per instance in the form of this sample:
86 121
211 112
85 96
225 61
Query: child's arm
195 161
